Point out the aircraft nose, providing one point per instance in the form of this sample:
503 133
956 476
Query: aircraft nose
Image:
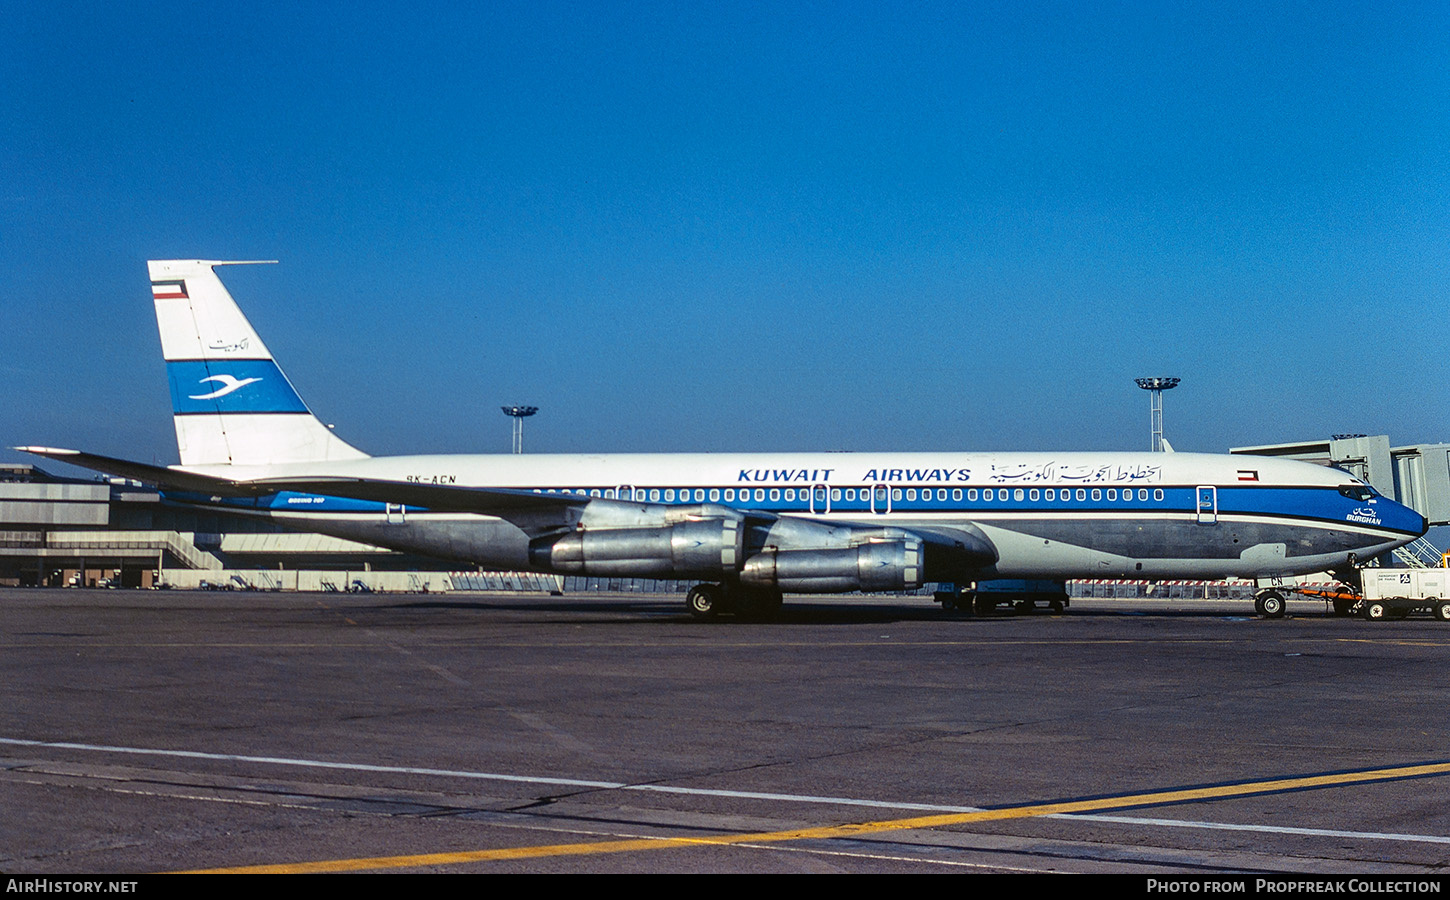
1403 518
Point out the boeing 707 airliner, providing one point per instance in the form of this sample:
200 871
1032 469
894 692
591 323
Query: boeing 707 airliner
748 527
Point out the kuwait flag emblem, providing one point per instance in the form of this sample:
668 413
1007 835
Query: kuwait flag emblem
168 290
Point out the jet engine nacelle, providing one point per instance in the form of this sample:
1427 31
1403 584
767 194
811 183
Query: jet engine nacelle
873 566
707 548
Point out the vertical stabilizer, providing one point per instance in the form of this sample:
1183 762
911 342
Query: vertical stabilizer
231 403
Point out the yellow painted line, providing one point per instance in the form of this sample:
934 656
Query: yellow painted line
855 829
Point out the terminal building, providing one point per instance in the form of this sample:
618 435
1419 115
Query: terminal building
61 532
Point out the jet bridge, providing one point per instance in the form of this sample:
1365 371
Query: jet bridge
1417 475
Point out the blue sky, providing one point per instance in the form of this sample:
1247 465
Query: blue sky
783 226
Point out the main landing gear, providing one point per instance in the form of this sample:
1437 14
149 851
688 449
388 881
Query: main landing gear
706 601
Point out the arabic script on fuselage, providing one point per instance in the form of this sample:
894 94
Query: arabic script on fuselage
1073 473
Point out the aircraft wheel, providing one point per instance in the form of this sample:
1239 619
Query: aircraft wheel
1057 606
1271 605
1442 612
1375 611
948 600
703 601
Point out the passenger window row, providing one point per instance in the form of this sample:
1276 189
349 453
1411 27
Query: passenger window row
850 495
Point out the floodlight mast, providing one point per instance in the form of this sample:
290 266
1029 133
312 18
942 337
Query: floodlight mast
1155 388
518 414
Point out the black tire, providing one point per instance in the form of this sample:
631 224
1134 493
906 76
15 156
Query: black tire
1271 605
1375 611
1056 606
703 601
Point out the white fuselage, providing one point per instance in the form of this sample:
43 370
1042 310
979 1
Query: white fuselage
1064 515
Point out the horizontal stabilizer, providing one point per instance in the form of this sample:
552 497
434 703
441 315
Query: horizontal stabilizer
531 511
157 475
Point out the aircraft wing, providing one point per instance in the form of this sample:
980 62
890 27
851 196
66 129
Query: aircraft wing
959 548
433 497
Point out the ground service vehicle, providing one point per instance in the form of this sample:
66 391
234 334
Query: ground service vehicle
1022 594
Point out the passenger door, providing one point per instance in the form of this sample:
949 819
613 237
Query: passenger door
1207 504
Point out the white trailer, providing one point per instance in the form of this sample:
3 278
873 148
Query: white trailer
1395 593
1386 594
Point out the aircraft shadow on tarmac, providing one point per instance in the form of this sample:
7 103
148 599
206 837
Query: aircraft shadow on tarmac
670 611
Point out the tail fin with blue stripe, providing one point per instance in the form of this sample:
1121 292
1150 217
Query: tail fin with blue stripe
230 402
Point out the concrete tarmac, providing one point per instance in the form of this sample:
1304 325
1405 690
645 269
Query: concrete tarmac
163 731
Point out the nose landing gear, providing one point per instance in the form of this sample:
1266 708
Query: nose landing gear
1269 604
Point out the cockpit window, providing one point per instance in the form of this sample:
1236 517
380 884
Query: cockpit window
1360 492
